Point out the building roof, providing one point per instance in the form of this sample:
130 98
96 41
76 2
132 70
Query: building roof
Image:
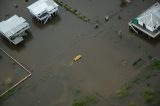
42 5
12 25
150 18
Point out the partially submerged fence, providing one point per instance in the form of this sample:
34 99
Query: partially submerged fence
23 79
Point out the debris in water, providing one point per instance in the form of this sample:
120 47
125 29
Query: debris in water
120 34
124 3
13 63
15 5
26 0
137 61
119 17
124 62
7 15
78 57
106 18
96 25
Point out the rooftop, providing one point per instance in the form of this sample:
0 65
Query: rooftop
12 25
42 5
151 17
149 21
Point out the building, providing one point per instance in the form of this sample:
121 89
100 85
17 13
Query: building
43 10
148 22
14 29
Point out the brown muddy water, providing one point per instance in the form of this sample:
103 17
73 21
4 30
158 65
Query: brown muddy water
11 75
107 57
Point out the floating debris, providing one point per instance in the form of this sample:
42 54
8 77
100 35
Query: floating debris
13 63
7 15
26 0
106 18
119 17
15 5
120 34
137 61
124 62
78 57
96 25
124 3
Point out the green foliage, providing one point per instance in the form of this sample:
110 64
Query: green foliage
132 104
136 80
77 91
72 10
85 101
149 96
123 92
9 94
6 96
156 64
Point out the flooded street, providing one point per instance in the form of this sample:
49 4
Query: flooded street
107 56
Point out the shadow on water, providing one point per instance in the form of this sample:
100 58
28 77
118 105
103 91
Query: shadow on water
153 41
20 46
41 25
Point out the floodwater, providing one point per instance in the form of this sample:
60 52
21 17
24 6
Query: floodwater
11 75
107 57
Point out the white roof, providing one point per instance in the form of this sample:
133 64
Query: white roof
42 5
12 25
151 17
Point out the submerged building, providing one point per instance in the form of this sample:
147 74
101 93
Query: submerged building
14 29
43 10
148 22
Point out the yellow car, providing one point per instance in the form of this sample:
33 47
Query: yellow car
77 57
